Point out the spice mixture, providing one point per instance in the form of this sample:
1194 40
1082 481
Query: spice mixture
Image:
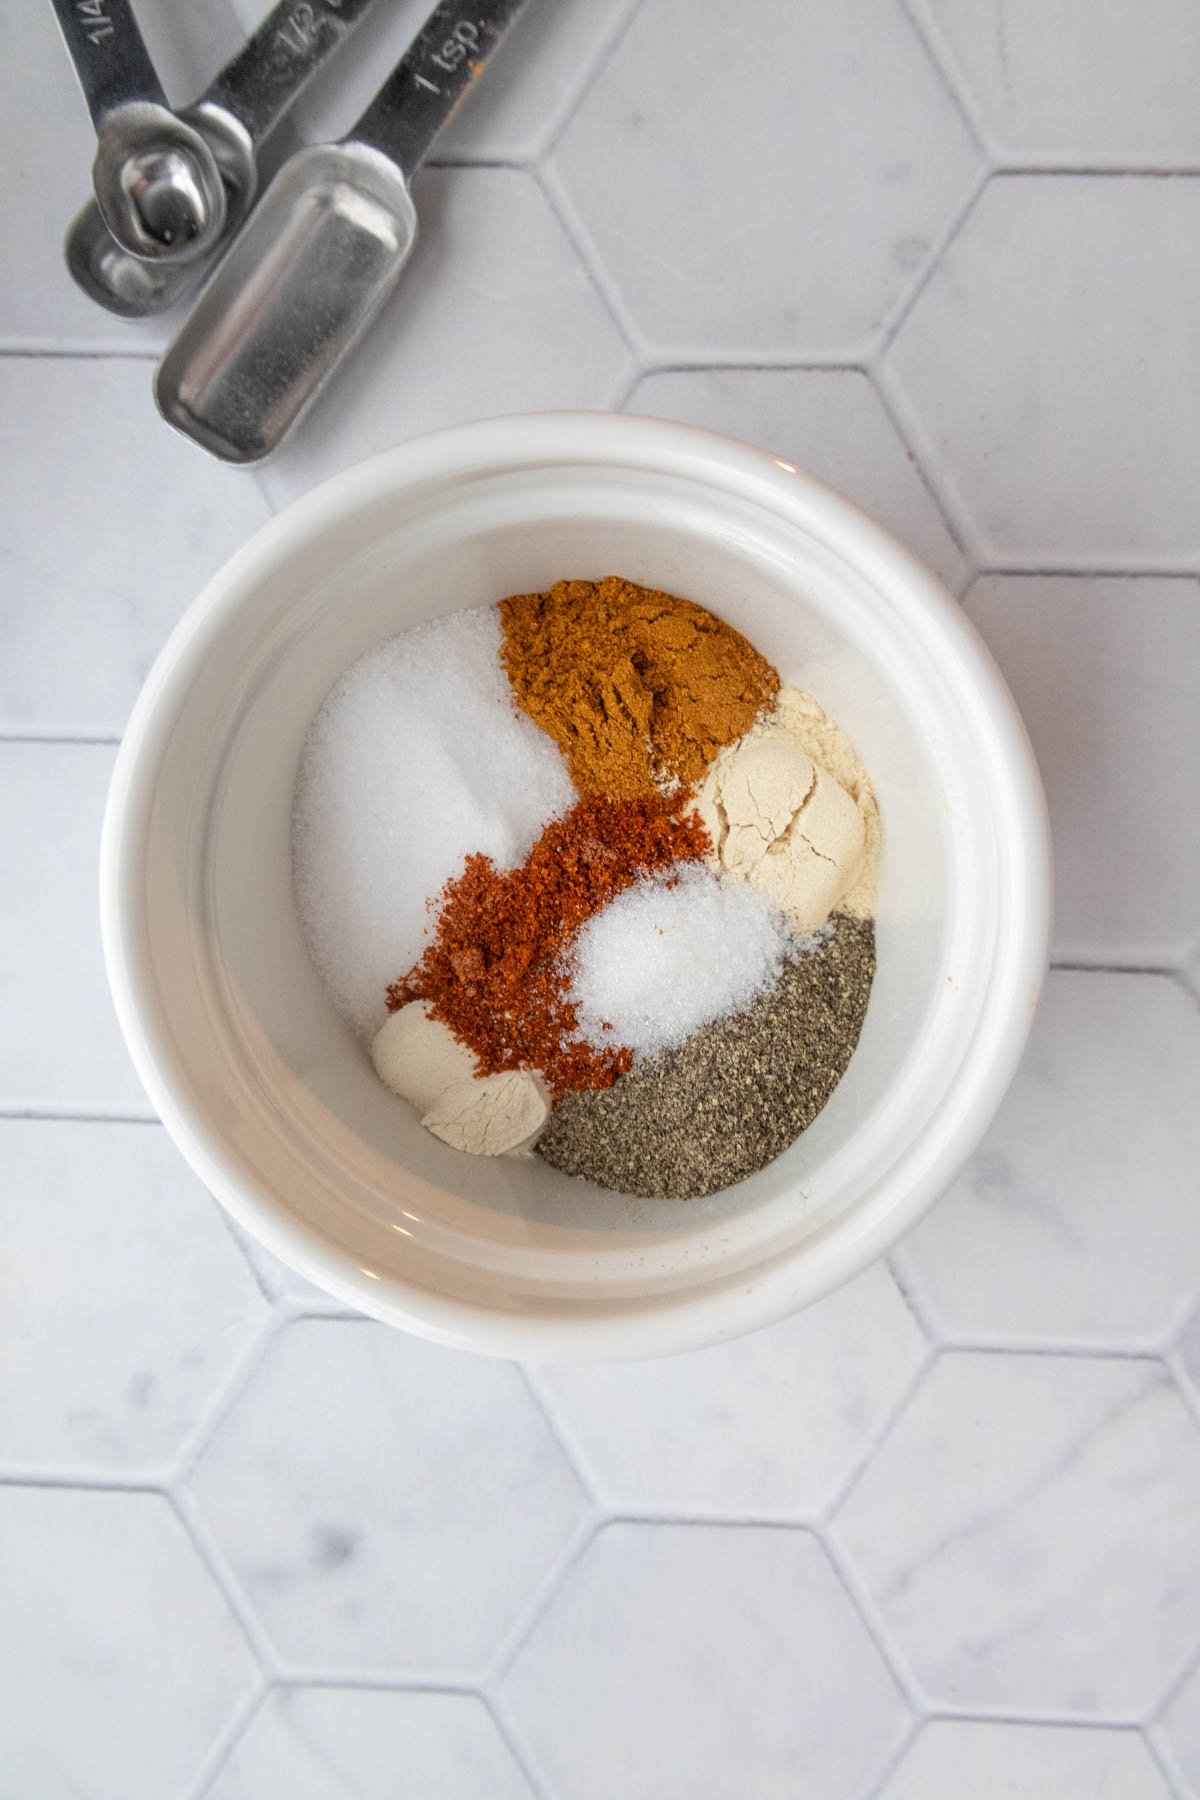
593 883
494 975
636 688
727 1100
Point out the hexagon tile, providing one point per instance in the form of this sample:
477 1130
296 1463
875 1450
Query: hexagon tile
1077 1218
954 1760
737 213
690 1662
1107 675
367 1744
767 1426
1030 1533
1077 81
120 1661
386 1505
153 1305
1046 369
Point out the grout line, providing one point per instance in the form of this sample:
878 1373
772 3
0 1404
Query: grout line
226 1397
908 424
958 89
1162 1752
101 1481
699 359
543 1398
584 1534
51 1112
572 96
55 734
941 247
1085 571
211 1554
916 1725
1173 1688
606 290
911 1292
1110 966
926 475
518 1749
50 350
874 1440
374 1681
873 1624
1181 1377
1011 165
227 1741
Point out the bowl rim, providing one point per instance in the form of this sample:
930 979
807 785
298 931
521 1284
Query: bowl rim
648 1325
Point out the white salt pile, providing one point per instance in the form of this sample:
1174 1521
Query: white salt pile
415 760
672 953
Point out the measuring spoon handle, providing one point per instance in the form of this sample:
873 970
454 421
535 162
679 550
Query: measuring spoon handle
438 68
260 83
109 54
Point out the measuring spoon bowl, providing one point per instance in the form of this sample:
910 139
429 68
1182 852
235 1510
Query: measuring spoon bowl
296 292
157 184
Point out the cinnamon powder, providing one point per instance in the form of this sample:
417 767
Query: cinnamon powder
638 689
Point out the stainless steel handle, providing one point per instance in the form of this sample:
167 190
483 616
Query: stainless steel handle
260 83
109 54
428 85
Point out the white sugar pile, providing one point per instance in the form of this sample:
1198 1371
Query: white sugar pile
662 960
416 759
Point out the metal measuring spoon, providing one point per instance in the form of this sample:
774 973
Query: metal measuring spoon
157 184
235 114
322 252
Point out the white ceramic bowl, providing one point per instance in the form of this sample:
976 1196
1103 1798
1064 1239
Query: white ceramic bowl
267 1092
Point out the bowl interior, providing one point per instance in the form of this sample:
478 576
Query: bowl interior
270 1092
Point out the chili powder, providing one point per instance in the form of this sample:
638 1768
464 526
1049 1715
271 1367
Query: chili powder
494 973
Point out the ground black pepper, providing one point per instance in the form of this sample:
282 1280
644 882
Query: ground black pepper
730 1099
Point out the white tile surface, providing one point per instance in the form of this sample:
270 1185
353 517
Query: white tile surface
768 1425
737 212
59 1043
695 1662
386 1504
1080 80
828 421
1107 675
528 87
119 1660
85 608
1077 1217
951 1759
493 314
363 1744
1031 1534
1046 369
108 1234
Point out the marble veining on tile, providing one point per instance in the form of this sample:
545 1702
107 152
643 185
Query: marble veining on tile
386 1504
1077 1218
1030 1532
